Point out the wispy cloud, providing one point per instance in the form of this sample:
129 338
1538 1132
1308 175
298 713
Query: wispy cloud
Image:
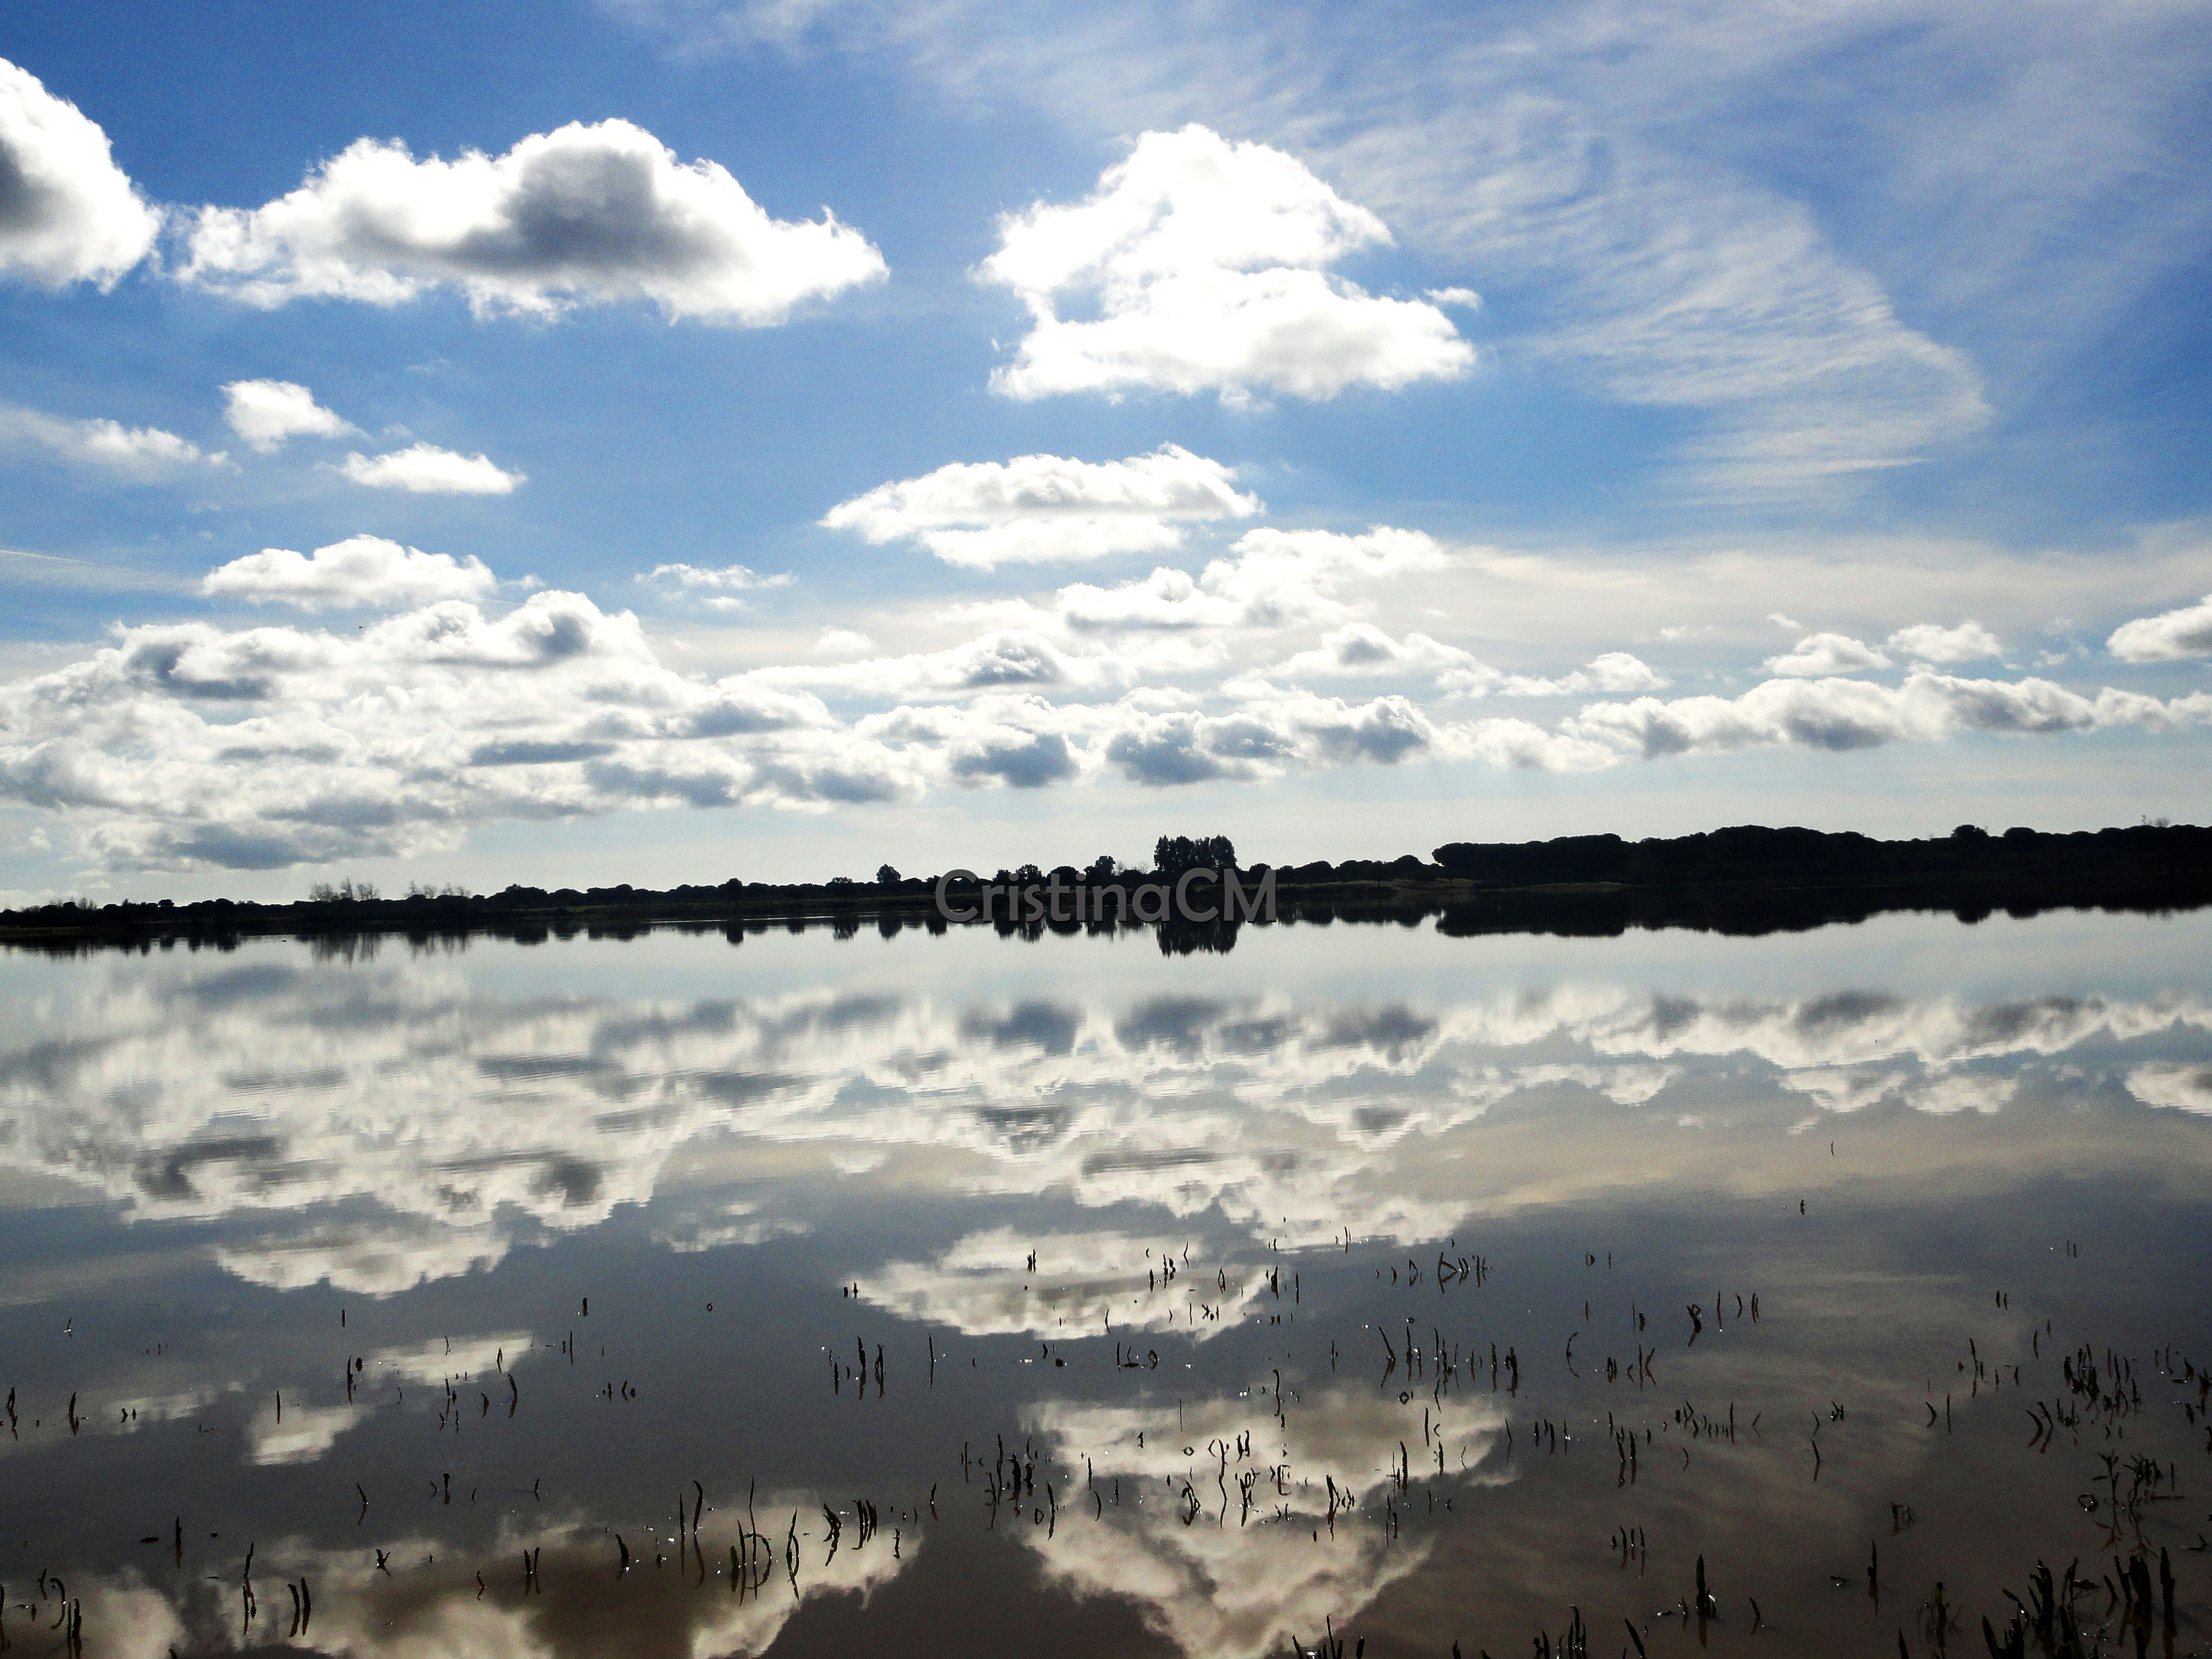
1821 292
137 454
717 589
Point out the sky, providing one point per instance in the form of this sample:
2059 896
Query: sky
662 441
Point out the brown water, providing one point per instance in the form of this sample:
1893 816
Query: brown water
540 1300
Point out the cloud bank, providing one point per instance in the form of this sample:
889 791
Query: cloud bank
187 744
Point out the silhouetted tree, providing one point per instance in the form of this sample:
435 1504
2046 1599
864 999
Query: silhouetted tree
886 875
348 891
1173 855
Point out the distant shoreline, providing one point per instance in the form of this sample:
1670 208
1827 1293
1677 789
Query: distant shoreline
1746 880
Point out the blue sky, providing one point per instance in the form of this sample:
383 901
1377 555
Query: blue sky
1349 427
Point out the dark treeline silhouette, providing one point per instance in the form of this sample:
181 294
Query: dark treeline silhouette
1748 879
1801 857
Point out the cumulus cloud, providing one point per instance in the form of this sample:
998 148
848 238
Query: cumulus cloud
68 214
1206 264
1364 648
1038 508
1272 579
1609 672
1968 642
361 570
1819 654
1264 737
183 746
190 746
426 470
267 412
139 455
2167 637
583 214
1007 658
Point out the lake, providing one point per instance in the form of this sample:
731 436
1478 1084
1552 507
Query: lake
963 1294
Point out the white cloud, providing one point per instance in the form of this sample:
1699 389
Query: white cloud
1265 736
183 746
361 570
426 470
1270 580
266 412
995 661
2167 637
584 215
1610 671
301 1435
984 1284
1962 1092
1243 1583
1280 576
190 746
68 214
380 1257
1363 648
1207 263
1818 655
2176 1086
1037 508
1845 713
141 454
379 1158
1593 157
1967 642
718 589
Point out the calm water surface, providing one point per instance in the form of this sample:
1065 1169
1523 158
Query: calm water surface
960 1295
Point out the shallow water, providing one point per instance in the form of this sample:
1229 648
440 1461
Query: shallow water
1127 1304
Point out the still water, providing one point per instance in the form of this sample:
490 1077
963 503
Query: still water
959 1294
